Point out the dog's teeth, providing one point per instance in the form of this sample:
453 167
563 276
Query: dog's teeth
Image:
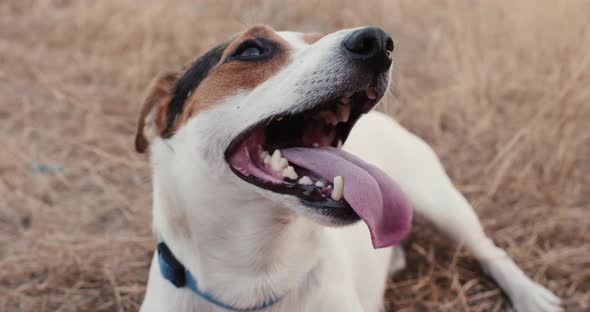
266 159
275 159
343 113
305 180
320 184
316 144
290 173
263 154
278 165
283 163
331 119
277 154
338 188
371 94
344 100
339 144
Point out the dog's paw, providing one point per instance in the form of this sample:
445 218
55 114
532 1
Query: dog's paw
525 294
536 298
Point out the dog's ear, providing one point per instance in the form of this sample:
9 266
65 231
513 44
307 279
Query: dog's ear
152 117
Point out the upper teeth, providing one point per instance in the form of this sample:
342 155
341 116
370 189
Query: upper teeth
329 117
342 114
371 94
345 99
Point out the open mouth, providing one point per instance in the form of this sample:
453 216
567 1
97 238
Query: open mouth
256 155
300 154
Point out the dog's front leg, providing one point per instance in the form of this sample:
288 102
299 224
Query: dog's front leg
436 199
440 203
417 169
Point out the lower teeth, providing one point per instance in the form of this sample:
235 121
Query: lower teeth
281 164
305 180
338 190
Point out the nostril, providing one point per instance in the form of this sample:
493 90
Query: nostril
389 44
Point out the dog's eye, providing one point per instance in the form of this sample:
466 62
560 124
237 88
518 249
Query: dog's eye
250 50
253 51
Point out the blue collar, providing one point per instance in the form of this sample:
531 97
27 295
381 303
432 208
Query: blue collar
173 271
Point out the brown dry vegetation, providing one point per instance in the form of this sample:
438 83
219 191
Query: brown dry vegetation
499 88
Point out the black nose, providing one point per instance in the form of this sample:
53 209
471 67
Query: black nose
371 46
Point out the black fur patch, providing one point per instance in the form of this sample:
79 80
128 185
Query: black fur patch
188 82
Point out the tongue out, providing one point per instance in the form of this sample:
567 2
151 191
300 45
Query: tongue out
372 194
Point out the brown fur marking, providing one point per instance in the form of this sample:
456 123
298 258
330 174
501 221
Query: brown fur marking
223 79
227 78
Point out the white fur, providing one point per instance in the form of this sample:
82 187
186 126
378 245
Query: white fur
244 244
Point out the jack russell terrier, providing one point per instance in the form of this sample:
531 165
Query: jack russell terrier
260 179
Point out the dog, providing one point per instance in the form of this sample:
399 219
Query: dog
260 180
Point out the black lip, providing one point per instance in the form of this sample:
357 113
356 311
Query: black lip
339 211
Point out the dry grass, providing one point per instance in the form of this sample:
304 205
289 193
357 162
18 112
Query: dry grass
500 89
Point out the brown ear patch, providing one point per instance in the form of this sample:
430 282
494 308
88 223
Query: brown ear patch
228 78
312 37
152 117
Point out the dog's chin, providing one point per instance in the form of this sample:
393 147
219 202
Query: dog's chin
323 215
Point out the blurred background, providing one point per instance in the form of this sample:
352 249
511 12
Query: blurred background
499 88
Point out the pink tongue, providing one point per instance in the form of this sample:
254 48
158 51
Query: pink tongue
372 194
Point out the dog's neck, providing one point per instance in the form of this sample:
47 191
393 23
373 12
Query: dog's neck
240 247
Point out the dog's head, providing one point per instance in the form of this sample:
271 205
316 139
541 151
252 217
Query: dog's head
265 113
